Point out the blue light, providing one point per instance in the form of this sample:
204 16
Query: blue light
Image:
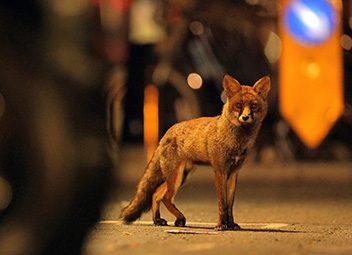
310 21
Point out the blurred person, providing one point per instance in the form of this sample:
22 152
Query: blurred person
126 32
110 46
144 34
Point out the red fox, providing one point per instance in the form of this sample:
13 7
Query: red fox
222 142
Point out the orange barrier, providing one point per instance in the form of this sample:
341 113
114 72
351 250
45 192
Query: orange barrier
151 119
311 81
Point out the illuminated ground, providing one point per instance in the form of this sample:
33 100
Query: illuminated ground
300 208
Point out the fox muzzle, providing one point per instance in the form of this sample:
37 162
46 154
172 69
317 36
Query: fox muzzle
246 116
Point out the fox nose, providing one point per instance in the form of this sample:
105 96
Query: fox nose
246 119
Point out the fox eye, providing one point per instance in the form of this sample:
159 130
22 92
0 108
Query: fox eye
254 106
238 105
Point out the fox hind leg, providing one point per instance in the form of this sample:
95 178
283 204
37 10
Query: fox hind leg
180 218
177 178
157 197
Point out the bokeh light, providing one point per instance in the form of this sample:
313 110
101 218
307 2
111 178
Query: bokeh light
311 69
310 21
272 48
196 28
5 193
195 81
346 42
2 105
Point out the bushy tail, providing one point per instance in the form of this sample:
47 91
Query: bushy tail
142 200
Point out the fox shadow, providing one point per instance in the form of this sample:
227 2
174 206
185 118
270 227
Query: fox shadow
263 230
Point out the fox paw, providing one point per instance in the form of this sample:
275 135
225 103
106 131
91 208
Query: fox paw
233 226
180 222
160 222
221 227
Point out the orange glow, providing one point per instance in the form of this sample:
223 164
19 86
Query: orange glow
311 83
151 119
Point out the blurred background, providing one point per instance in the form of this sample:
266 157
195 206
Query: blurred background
84 83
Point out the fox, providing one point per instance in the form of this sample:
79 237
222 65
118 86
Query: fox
222 142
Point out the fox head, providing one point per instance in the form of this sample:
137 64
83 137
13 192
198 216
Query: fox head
246 105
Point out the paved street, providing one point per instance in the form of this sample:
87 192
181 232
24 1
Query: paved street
283 208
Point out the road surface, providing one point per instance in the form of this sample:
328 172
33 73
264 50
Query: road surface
283 208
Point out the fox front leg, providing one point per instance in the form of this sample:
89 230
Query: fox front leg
231 189
220 183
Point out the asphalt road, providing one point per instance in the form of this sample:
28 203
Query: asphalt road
283 208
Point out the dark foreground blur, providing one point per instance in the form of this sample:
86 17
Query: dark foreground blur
54 169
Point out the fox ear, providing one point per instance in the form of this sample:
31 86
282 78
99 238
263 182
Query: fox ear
231 86
262 86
